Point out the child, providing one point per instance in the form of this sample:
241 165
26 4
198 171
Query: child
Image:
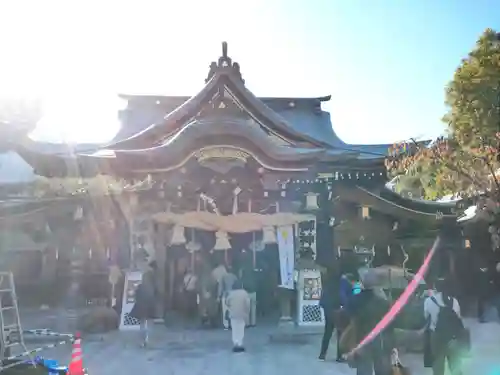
238 304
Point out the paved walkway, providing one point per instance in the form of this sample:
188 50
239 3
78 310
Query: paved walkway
198 352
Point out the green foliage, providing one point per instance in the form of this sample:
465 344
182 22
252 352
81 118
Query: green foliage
409 186
465 160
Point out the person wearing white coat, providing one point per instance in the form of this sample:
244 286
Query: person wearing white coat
238 303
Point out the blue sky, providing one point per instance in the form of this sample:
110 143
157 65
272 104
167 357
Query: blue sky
385 63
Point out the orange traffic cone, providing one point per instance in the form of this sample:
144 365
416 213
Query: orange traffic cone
76 364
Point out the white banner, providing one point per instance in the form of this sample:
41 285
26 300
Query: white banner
287 256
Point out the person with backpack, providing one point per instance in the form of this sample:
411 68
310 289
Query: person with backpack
449 337
367 309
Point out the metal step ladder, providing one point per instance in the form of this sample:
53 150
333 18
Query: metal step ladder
11 332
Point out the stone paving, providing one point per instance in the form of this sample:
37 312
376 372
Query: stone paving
200 352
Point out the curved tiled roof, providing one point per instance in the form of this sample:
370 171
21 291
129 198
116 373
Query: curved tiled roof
395 205
305 116
149 119
209 132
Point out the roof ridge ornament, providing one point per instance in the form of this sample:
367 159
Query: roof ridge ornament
224 65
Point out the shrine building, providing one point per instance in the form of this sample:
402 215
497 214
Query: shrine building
230 175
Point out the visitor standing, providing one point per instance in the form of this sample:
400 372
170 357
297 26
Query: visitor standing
342 318
484 289
225 286
496 288
329 302
238 304
218 272
367 309
247 278
448 335
190 284
144 308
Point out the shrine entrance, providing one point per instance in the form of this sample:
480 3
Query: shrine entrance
253 263
245 243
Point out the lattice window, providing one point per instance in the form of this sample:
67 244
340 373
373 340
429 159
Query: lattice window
129 320
311 313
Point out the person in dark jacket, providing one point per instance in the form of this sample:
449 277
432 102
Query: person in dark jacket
144 308
484 289
496 287
367 309
346 283
342 313
329 302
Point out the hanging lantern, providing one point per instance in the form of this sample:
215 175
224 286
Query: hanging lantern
268 235
365 212
221 241
178 237
467 243
312 201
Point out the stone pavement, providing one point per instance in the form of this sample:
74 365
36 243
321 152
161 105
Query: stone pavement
203 352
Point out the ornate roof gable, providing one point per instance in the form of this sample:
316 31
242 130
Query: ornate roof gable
224 93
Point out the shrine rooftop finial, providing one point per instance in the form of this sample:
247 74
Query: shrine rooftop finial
224 50
224 66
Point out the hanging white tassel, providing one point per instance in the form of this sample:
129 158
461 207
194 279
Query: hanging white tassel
178 237
339 253
268 235
389 250
236 192
221 241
